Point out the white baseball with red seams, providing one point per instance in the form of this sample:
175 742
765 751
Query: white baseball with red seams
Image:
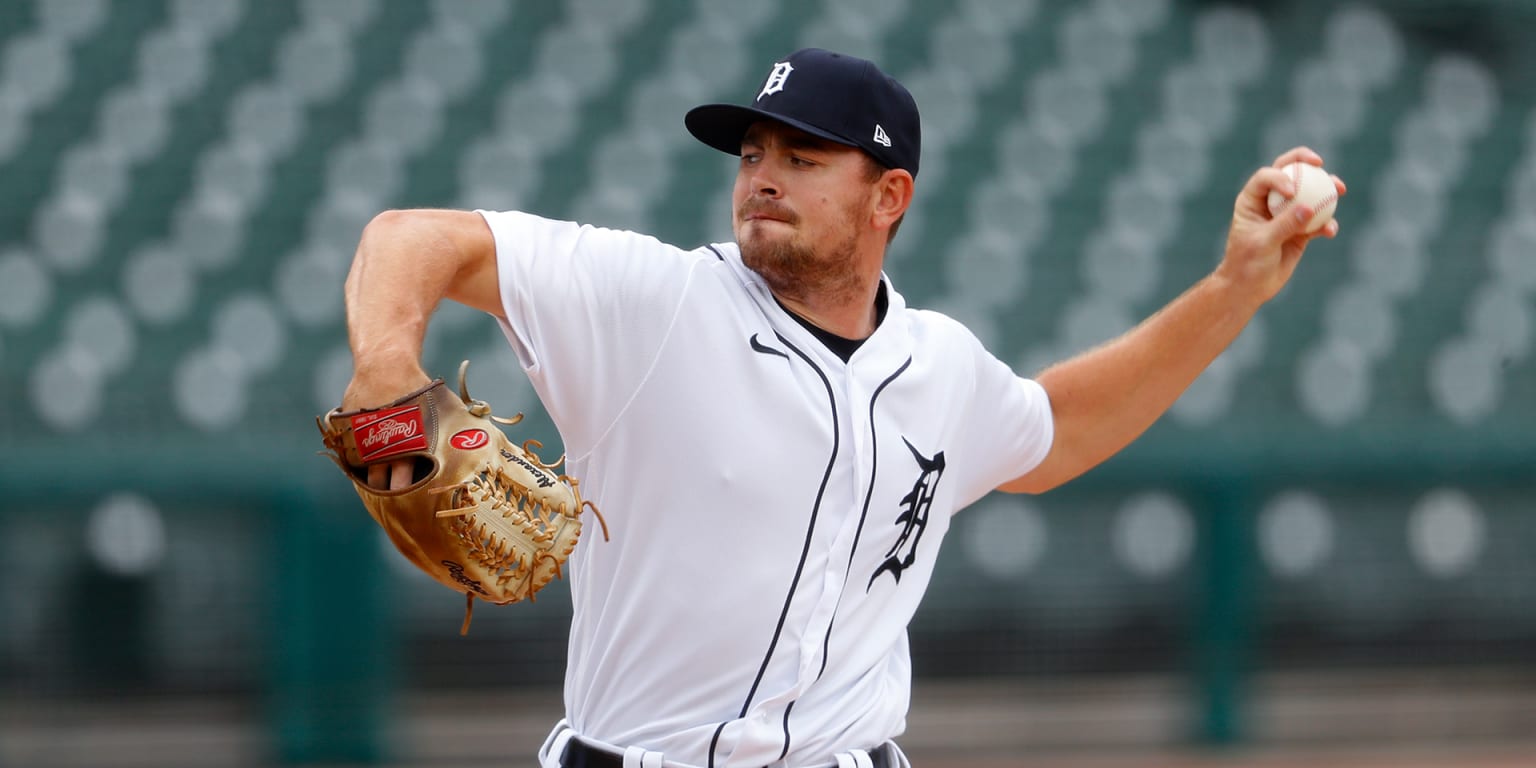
1314 189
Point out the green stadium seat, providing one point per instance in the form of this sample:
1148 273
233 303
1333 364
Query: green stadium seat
539 110
1466 380
45 60
1510 249
988 268
100 327
1362 315
70 231
1389 258
577 58
1501 314
314 62
447 56
406 115
173 61
134 121
499 173
207 18
351 15
208 230
1232 42
973 47
158 284
265 122
26 290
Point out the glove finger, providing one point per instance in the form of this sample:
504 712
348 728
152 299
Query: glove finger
378 476
400 475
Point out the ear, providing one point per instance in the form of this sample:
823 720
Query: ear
893 194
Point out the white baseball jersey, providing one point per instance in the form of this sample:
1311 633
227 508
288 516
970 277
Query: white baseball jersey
775 512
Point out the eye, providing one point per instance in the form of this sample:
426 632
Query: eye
799 161
750 158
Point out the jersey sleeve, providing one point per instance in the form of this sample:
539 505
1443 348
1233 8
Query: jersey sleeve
1008 423
585 309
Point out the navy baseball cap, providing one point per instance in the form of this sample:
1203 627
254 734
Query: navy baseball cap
840 98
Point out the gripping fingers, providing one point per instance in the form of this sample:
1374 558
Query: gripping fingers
1252 203
1299 155
1272 178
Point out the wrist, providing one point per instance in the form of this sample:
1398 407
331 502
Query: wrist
1243 294
379 378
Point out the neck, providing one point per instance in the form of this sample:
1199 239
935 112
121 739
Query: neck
850 314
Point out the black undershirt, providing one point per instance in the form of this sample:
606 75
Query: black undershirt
842 346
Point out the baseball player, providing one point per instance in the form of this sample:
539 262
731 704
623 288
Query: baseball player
776 440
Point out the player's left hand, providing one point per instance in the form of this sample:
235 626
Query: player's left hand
1262 251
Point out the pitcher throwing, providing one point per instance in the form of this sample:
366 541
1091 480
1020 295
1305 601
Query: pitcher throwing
776 439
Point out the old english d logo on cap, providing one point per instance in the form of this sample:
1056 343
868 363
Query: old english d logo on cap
839 98
776 79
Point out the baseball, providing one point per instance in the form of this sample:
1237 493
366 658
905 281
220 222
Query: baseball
1314 189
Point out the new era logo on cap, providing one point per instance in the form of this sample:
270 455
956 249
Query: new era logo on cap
840 98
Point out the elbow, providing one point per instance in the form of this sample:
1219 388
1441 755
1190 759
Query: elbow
453 253
1044 477
385 224
1033 483
1034 487
383 227
1060 466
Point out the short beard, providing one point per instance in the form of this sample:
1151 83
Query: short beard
796 271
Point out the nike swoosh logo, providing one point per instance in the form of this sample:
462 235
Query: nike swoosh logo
757 346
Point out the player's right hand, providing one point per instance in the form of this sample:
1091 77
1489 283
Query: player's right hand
1262 251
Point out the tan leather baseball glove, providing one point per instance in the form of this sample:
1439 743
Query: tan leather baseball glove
483 516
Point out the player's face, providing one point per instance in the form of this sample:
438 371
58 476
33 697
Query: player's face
799 207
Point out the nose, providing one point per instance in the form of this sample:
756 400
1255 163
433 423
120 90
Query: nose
761 182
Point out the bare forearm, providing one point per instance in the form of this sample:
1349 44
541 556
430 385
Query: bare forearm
1105 398
407 262
396 282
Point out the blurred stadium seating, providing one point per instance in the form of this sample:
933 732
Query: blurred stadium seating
1350 487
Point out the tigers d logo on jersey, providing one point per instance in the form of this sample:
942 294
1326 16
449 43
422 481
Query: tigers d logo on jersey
913 515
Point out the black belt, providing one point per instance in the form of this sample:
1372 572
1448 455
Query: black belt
582 755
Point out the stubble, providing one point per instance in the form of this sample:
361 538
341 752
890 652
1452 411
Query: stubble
799 270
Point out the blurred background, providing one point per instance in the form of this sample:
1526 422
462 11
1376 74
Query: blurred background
1324 555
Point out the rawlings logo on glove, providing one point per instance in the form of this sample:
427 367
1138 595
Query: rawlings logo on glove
482 516
383 434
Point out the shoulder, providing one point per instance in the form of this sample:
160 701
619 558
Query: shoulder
948 342
724 259
723 253
529 232
935 327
